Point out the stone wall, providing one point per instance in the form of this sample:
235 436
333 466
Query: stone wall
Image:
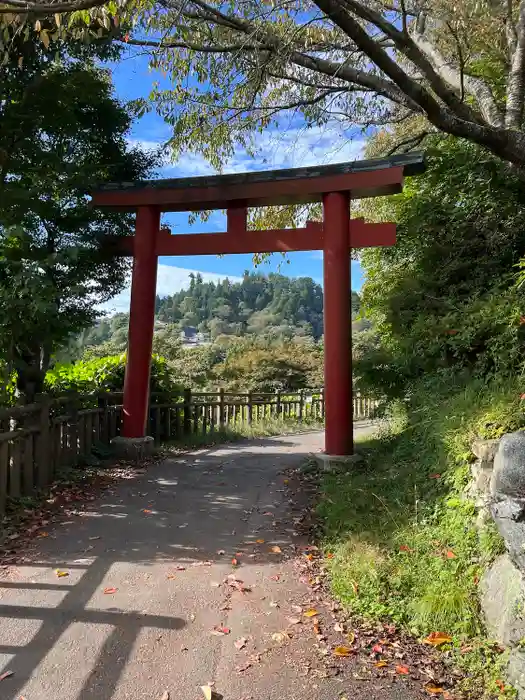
498 489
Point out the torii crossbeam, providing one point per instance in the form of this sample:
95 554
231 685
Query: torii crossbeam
336 235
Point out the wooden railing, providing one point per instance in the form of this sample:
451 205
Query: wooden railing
39 439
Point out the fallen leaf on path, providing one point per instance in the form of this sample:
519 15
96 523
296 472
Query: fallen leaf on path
6 674
276 549
381 664
501 685
207 692
436 639
329 555
220 631
214 584
311 613
180 568
235 562
280 636
165 695
297 608
43 534
433 689
110 591
338 627
343 651
273 604
351 637
145 510
276 577
294 620
402 670
240 643
286 481
61 574
245 667
259 541
95 538
377 649
171 576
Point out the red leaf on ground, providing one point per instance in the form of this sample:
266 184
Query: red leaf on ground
436 639
6 674
433 689
450 554
434 476
402 670
501 685
276 577
377 649
405 548
220 631
235 562
145 510
110 591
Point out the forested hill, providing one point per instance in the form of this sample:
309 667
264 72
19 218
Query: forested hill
269 305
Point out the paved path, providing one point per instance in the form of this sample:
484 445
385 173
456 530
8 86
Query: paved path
65 638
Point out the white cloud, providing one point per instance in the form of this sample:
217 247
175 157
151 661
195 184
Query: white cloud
170 279
291 147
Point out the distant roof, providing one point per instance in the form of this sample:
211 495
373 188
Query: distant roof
363 178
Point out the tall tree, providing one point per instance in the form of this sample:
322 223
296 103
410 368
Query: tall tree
236 67
61 132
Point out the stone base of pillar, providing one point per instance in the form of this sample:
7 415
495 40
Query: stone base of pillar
336 463
133 448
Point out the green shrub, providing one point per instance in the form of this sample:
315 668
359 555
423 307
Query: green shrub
105 374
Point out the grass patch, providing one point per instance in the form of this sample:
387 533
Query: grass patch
243 431
403 535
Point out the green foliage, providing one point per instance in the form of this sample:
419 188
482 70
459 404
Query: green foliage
105 374
444 296
405 543
261 366
61 133
273 306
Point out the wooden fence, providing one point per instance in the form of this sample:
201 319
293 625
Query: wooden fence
39 439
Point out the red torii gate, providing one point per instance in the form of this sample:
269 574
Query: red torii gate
333 185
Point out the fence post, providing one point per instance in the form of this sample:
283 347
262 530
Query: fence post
103 420
73 433
187 412
221 408
301 404
4 471
278 407
250 408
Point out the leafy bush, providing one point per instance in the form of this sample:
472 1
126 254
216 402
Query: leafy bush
105 374
402 532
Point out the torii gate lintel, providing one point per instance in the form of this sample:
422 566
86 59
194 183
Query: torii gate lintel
336 235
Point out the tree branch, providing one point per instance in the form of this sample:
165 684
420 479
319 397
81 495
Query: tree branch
37 9
412 49
516 77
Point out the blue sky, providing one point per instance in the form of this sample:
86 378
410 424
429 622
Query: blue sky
291 146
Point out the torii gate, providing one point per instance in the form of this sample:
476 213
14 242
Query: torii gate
333 185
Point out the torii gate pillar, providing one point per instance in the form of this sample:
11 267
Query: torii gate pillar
337 310
141 322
